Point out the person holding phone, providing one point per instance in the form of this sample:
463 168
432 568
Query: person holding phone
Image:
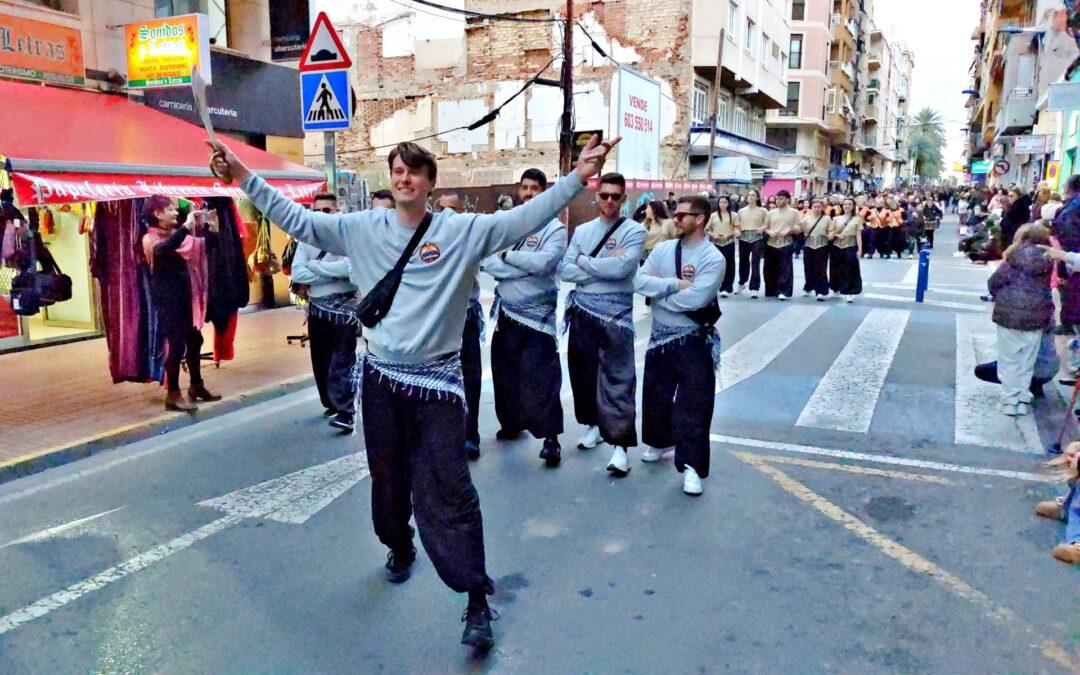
179 286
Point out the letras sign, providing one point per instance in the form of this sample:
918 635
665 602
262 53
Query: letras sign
33 50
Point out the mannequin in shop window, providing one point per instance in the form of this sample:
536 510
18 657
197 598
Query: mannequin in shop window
179 279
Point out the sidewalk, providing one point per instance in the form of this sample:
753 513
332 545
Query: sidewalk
59 403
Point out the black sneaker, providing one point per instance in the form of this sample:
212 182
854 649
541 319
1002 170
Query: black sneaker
507 435
472 450
329 412
343 421
478 632
552 452
1067 381
399 565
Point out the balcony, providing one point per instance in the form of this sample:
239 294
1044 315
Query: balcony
870 139
846 68
873 59
871 113
873 85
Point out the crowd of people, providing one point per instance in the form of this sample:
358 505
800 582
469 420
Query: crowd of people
417 377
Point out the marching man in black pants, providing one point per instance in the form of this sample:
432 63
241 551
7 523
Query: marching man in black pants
417 270
682 277
602 259
525 368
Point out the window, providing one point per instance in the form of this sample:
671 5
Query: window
791 109
722 112
740 120
749 46
217 10
795 55
733 20
701 108
785 138
69 6
764 50
798 10
830 100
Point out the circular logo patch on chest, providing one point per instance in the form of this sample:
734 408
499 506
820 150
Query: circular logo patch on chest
429 253
688 272
610 245
533 241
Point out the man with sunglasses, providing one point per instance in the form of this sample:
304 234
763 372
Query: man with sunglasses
682 276
471 339
332 323
602 259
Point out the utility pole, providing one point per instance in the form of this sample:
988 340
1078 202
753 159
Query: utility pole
566 137
330 160
715 105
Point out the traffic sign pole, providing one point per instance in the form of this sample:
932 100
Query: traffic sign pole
330 160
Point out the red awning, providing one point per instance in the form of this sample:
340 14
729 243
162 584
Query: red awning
67 145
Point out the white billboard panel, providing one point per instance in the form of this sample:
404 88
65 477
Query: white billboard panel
638 155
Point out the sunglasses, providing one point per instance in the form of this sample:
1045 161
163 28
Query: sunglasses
680 216
609 196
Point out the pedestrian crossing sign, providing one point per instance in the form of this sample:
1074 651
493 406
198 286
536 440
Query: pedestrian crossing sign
326 100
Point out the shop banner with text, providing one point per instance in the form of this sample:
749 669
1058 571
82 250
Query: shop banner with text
33 50
290 24
69 188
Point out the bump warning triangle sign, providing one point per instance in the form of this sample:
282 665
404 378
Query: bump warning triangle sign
324 50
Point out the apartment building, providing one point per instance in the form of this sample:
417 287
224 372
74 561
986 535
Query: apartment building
421 72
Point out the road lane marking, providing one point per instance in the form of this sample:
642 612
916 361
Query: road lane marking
932 303
913 561
183 436
911 287
750 355
292 498
846 397
911 277
66 528
978 417
882 459
848 468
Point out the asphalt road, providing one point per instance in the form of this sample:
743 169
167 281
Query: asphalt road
868 511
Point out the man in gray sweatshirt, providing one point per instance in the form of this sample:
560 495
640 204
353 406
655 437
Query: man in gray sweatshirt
409 378
332 322
602 259
525 368
682 276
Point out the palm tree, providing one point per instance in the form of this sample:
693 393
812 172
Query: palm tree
927 141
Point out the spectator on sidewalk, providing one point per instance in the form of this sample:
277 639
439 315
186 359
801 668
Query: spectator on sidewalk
179 284
1066 509
1066 229
1023 311
332 322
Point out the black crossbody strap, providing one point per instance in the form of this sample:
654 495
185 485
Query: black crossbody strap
607 236
678 259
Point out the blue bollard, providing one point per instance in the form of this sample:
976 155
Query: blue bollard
924 275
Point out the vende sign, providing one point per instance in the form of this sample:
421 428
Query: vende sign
638 155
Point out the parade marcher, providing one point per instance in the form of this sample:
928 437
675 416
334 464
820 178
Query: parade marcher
816 258
883 233
602 259
845 278
931 217
472 368
751 242
871 224
723 230
410 382
781 225
679 388
176 256
898 235
332 322
914 228
525 368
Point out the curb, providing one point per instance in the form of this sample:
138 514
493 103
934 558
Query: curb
40 460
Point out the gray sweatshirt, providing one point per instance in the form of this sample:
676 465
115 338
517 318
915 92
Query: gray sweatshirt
323 277
428 315
604 273
529 270
703 264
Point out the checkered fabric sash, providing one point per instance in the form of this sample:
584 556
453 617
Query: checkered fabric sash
441 378
664 336
338 308
537 312
475 310
616 308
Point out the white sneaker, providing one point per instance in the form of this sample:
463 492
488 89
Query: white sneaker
753 295
849 299
806 294
781 298
691 482
821 298
723 294
738 289
910 256
652 454
1010 409
590 439
620 463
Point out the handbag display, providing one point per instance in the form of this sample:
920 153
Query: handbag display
706 316
376 303
264 261
31 290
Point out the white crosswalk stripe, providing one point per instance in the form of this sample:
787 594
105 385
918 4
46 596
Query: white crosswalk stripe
754 352
845 399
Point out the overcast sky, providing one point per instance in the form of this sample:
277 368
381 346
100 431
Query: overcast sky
939 33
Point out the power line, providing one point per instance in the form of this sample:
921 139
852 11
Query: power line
483 15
